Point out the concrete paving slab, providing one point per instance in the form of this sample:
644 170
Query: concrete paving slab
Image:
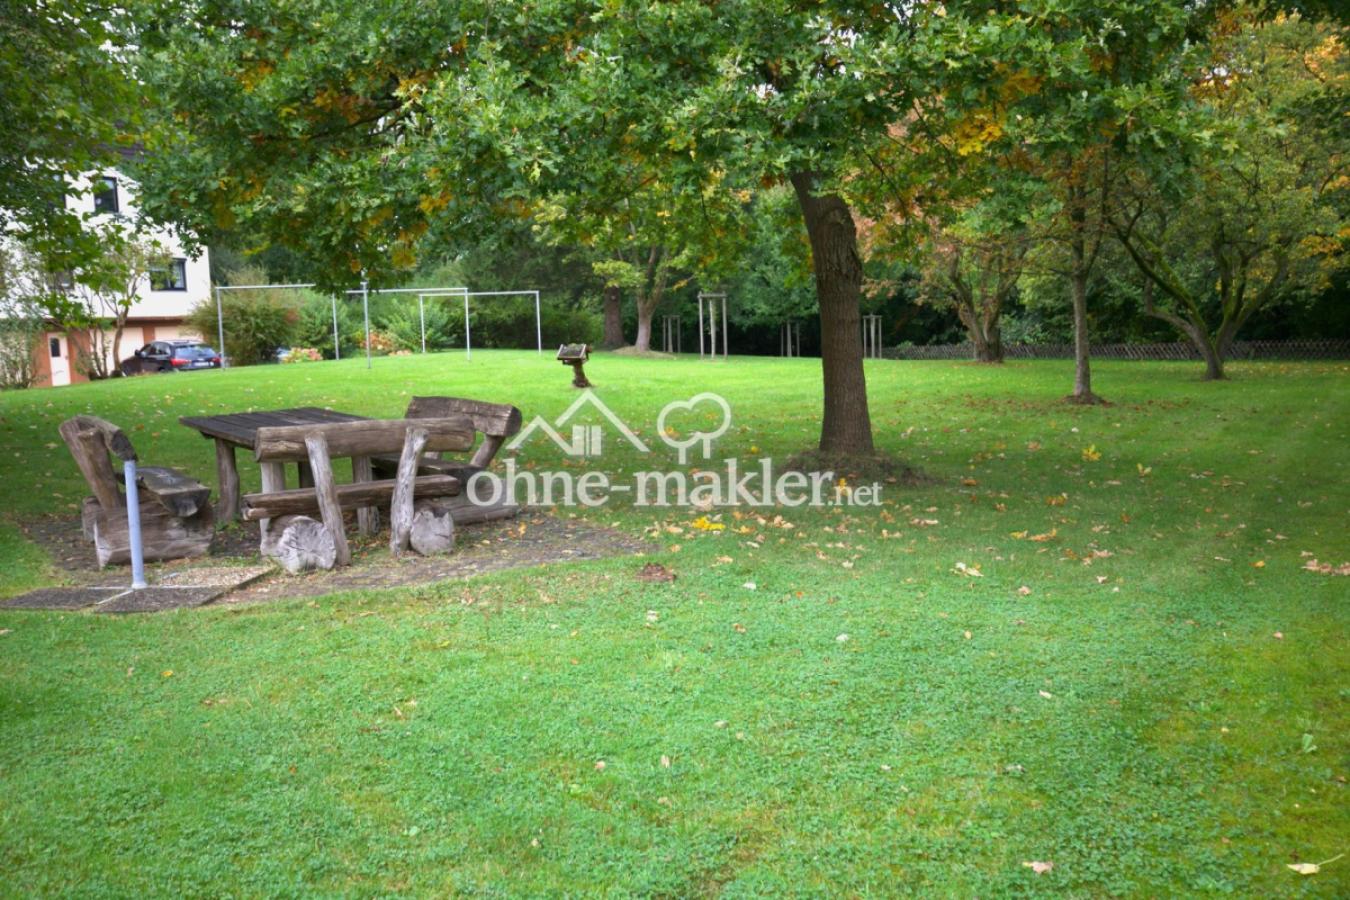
62 598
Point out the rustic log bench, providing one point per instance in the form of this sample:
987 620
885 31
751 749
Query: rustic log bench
178 523
496 422
298 541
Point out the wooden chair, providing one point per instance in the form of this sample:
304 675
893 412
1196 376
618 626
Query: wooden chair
179 523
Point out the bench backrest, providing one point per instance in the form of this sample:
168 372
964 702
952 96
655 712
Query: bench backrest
364 437
497 421
90 440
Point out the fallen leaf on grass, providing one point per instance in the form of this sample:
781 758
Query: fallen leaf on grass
1312 868
738 627
5 631
665 762
969 571
1046 694
599 765
1038 538
1322 568
1024 590
655 572
1039 867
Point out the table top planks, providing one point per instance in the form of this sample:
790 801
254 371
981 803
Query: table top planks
241 429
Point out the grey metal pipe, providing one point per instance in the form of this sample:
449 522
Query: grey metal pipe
134 525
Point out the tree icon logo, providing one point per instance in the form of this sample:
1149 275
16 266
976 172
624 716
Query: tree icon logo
683 443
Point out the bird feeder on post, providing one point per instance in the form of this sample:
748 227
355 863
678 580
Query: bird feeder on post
575 355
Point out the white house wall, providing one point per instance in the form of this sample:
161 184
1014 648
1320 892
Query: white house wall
152 304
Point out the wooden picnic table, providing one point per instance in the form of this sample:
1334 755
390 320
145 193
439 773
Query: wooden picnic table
241 430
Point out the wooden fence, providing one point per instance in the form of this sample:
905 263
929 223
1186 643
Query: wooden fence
1312 348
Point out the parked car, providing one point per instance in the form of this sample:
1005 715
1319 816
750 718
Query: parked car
171 356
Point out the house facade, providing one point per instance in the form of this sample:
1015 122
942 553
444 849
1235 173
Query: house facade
164 298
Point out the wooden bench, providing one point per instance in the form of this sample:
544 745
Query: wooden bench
495 422
298 541
177 523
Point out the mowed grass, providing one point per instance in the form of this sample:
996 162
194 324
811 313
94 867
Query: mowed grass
1153 696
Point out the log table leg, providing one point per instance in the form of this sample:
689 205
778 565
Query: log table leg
273 479
326 491
367 517
227 481
401 506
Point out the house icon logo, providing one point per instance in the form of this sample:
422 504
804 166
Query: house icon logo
586 440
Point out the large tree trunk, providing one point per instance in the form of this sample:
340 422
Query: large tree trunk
1193 329
846 427
649 297
988 347
1213 362
984 334
1209 350
644 330
613 336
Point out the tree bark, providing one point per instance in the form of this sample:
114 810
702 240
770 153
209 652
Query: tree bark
846 427
989 348
644 331
613 333
649 296
1082 366
1192 329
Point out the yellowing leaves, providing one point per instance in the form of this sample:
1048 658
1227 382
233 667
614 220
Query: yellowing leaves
1091 453
977 130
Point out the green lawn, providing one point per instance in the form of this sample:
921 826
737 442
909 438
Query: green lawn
1113 698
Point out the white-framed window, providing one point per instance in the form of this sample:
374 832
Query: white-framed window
170 277
105 195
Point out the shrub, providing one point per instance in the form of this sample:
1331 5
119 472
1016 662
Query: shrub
303 354
403 322
315 325
381 344
256 323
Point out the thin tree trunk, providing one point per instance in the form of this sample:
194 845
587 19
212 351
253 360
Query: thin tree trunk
613 335
846 427
1079 274
1082 366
